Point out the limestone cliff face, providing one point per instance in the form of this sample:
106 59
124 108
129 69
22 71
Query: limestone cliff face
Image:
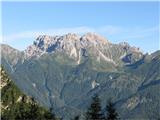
90 44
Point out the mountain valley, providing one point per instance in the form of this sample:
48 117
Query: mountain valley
64 72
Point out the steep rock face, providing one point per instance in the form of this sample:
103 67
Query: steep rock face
11 57
77 47
65 71
69 42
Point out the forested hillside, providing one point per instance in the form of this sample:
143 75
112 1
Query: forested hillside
16 105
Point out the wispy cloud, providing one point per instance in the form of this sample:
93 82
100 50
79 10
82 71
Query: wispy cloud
108 30
35 33
139 32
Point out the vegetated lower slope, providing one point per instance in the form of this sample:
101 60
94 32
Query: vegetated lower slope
65 72
16 105
145 102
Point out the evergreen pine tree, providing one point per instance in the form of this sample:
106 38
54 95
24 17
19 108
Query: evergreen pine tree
94 111
49 115
111 112
76 117
24 109
34 113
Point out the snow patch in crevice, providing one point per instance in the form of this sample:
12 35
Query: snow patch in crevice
98 58
94 84
53 96
122 56
34 85
11 66
79 57
73 52
106 58
110 77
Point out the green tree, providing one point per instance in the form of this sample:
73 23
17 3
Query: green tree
94 111
111 112
25 109
76 117
49 115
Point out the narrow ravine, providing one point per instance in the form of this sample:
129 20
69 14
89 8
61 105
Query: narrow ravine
48 90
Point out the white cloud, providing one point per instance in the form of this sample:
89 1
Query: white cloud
35 33
60 31
109 30
139 32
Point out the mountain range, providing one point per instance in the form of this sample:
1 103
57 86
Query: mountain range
64 72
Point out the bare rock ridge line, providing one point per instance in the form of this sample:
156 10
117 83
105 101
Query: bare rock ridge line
70 41
64 72
75 45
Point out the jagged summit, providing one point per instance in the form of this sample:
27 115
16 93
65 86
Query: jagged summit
64 72
48 38
95 37
70 43
77 47
72 37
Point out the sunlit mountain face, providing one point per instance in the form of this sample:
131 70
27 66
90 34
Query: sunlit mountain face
64 72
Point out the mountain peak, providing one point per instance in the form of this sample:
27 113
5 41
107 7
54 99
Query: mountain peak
124 43
95 37
67 42
71 36
76 47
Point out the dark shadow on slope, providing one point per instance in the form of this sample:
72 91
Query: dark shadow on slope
155 82
136 64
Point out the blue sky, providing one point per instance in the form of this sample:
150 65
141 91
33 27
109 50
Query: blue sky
134 22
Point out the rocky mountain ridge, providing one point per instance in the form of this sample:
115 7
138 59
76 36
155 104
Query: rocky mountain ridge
77 46
64 72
